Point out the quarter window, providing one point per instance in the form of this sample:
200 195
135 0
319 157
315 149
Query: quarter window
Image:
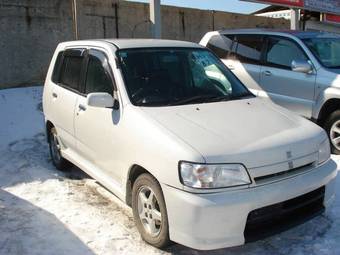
57 66
282 52
98 76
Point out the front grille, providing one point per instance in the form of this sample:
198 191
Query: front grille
283 174
276 218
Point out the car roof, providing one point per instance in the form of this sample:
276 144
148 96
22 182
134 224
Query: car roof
151 43
297 33
138 43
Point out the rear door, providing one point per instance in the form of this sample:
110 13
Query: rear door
242 55
65 92
244 60
292 90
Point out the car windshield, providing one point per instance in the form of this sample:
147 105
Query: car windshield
326 50
177 76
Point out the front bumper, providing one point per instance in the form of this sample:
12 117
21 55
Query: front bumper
218 220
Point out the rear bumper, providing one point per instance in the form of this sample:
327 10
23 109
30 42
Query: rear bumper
218 220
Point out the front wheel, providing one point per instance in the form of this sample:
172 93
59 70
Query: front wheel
149 211
332 126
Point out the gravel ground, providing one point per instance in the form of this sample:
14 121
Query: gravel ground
44 211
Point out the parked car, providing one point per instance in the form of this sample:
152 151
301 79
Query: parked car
172 132
297 70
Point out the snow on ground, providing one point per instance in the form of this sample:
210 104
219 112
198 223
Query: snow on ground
43 211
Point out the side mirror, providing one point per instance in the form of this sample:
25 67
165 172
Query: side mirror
302 66
101 100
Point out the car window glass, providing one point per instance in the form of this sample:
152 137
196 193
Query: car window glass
326 50
97 76
220 45
160 77
282 52
248 49
57 66
71 71
205 70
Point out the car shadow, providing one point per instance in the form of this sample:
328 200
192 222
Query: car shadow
23 226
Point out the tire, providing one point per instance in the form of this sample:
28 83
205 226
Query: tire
332 127
58 161
150 212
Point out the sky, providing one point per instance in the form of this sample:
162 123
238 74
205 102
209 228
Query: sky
218 5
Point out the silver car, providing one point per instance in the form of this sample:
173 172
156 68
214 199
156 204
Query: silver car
295 69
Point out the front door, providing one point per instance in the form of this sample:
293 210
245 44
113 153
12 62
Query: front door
96 128
292 90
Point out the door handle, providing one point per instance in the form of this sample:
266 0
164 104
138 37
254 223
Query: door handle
82 107
267 73
55 95
231 67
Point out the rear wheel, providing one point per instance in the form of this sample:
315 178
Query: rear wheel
149 211
332 126
58 161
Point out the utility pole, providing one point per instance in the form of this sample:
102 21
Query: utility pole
75 19
155 18
294 19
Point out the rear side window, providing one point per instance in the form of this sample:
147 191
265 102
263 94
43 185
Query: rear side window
220 45
248 48
57 67
71 68
98 77
281 53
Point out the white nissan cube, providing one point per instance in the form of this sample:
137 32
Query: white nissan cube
167 128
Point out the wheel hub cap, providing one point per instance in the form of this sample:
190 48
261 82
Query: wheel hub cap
335 135
55 148
149 211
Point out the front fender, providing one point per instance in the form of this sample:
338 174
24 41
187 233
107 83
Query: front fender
324 96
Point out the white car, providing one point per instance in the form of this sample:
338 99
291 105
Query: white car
171 131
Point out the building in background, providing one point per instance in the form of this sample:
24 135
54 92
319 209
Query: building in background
312 14
276 12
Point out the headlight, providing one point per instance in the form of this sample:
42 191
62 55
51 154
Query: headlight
324 151
213 176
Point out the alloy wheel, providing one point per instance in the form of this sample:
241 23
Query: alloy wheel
149 211
55 148
335 134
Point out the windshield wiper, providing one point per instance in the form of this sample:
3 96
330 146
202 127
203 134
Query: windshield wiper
243 95
200 99
210 99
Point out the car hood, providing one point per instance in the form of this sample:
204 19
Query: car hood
249 131
334 70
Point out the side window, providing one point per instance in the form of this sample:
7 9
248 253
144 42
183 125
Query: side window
281 53
248 48
98 75
57 66
220 45
71 68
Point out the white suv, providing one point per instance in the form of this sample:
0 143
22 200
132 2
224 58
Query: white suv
171 131
295 69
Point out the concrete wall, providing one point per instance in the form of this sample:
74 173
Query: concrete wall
323 26
31 29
